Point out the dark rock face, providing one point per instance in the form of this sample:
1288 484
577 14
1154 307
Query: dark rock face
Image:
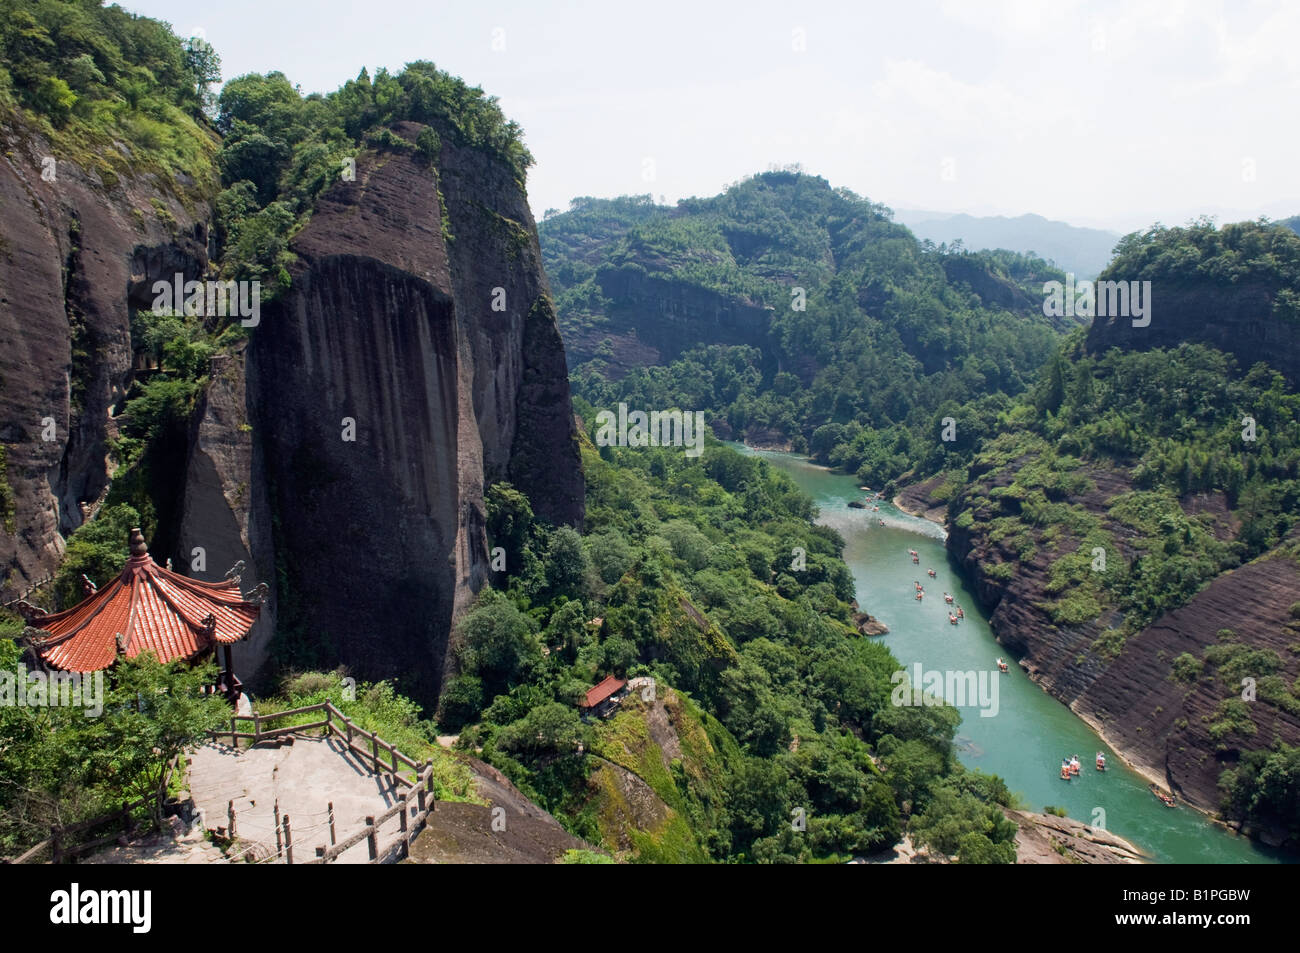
418 311
385 390
1238 320
656 319
993 290
73 252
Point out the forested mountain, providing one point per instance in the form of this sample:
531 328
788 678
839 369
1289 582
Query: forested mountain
381 221
1124 496
1132 520
364 230
794 314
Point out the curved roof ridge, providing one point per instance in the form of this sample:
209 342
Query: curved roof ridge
152 609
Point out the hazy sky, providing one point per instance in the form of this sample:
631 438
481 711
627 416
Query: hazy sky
1112 114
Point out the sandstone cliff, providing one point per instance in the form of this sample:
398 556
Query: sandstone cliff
414 360
79 248
653 319
342 450
1171 729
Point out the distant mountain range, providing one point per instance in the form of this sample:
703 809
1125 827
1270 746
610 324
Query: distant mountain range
1083 251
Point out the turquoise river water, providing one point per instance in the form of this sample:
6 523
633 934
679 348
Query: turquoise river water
1031 731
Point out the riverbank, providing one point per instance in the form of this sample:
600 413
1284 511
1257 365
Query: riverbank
1024 740
1149 772
915 500
1048 839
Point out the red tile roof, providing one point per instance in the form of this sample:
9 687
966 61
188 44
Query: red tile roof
600 692
145 609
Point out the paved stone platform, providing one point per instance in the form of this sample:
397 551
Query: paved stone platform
304 775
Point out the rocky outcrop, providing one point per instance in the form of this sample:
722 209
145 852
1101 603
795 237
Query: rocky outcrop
1163 725
917 499
507 829
224 511
415 360
869 624
654 318
1047 839
342 451
1236 319
75 247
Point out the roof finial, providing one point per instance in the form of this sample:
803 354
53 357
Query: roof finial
136 542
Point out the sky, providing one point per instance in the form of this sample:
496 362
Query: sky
1114 115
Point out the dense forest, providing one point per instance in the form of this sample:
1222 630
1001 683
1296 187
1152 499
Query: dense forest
872 336
1179 463
709 576
792 313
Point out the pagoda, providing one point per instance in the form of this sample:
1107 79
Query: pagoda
147 608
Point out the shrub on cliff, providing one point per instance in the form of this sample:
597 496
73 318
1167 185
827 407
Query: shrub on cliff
91 77
281 150
1264 791
98 550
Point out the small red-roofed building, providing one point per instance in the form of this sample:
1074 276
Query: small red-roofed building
603 698
147 608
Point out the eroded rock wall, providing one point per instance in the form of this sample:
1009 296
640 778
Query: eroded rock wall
74 249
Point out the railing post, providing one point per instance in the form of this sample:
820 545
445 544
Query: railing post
405 810
257 728
374 749
333 839
234 742
279 846
230 816
320 854
419 786
372 839
288 841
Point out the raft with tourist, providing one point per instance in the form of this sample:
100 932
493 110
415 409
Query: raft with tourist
1164 797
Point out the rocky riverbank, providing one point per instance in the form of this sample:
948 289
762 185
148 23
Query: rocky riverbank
1047 839
1165 727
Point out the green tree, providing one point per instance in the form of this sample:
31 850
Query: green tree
498 642
98 550
153 713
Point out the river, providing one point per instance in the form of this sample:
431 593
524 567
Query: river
1031 732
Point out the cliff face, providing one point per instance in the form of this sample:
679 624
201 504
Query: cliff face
653 320
383 392
341 452
1163 724
1236 319
76 251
